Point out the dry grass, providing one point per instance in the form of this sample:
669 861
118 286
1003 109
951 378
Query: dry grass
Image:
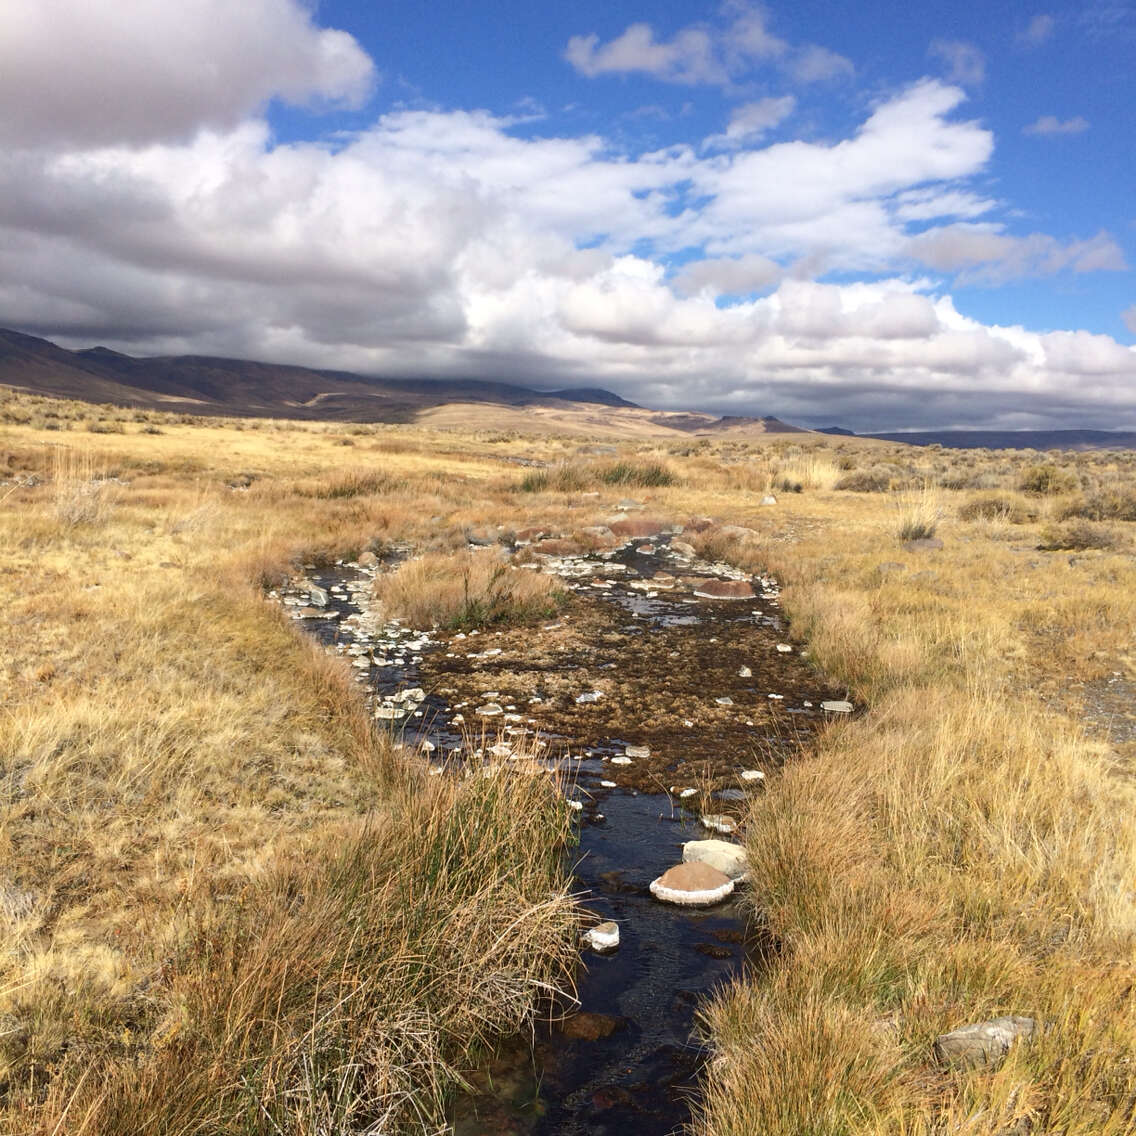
465 590
193 797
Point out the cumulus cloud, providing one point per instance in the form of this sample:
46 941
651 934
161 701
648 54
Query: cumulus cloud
136 71
1048 125
964 63
713 54
728 276
1038 31
985 254
749 122
446 243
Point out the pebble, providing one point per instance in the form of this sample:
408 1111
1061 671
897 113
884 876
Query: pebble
727 701
784 648
719 822
745 672
621 760
602 937
607 785
752 775
836 707
638 751
590 696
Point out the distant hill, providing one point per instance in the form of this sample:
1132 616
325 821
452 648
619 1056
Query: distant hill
1013 439
200 384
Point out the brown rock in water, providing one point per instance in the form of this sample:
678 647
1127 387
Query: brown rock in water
558 548
692 885
590 1027
637 527
724 590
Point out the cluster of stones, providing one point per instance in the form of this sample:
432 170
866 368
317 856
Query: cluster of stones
709 871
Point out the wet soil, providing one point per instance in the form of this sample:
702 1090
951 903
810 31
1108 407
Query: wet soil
657 667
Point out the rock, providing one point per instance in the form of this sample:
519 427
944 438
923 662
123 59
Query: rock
681 548
621 760
603 936
527 536
730 859
638 751
769 499
589 696
927 544
645 549
725 701
745 672
368 560
739 532
837 707
699 524
686 794
695 884
724 590
752 775
785 648
490 710
719 822
388 712
317 595
637 529
629 503
589 1027
983 1046
558 548
316 613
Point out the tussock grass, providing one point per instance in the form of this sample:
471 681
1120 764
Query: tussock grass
576 477
465 590
83 495
919 512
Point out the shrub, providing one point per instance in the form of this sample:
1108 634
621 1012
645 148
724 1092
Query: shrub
648 475
1047 480
874 480
353 483
1076 535
997 507
1115 504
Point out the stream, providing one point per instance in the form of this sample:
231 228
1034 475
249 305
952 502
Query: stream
711 698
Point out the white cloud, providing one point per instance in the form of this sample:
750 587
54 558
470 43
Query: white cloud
1129 317
1038 31
728 276
964 62
1048 125
441 242
136 71
749 122
985 254
712 54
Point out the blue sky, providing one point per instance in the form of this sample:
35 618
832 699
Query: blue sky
888 216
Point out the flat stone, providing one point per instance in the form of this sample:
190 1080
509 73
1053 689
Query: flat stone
695 884
589 696
681 548
745 672
837 707
784 648
769 499
621 760
489 710
589 1027
726 701
367 560
724 590
729 859
752 775
317 595
603 937
719 822
638 751
984 1045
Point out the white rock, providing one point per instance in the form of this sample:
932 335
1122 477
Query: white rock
638 751
837 707
719 822
745 672
621 760
730 859
727 701
489 710
602 937
687 793
607 784
590 696
752 775
785 648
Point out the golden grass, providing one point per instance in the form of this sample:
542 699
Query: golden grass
465 590
189 789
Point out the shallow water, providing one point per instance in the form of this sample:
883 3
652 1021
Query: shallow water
664 661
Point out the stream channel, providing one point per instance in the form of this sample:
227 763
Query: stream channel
710 687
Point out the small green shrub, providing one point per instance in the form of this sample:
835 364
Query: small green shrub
1047 480
1077 535
874 480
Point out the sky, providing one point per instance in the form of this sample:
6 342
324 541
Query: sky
877 215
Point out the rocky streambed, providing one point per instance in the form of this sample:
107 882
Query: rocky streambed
665 694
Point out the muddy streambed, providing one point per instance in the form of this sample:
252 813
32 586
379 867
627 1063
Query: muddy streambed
709 696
